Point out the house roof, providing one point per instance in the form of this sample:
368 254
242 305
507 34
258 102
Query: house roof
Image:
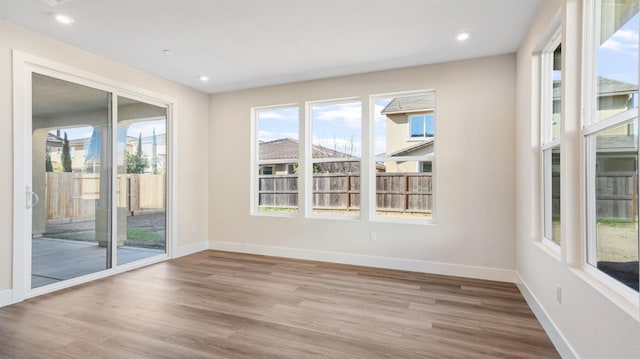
422 102
407 150
287 148
606 87
616 143
283 148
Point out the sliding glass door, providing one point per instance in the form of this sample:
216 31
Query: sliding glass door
71 170
98 194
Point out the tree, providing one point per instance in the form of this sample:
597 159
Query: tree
47 164
137 162
66 155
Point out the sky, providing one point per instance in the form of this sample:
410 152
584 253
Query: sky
618 56
336 125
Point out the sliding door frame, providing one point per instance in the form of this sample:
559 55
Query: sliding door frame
24 65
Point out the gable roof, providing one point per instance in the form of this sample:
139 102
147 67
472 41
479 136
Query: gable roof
287 148
606 87
422 102
407 150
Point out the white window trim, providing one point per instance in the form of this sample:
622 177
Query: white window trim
24 65
255 163
308 159
621 295
373 216
547 143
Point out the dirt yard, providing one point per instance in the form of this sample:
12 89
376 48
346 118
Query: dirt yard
617 242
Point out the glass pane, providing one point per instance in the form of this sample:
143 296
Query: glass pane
336 133
278 153
336 130
402 191
556 116
404 188
552 194
617 58
71 224
417 126
616 198
336 188
142 177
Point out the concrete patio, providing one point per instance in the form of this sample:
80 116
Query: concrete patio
54 260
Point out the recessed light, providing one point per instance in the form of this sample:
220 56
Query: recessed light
203 78
63 19
463 36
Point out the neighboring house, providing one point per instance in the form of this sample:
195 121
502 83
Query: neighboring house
147 150
616 147
286 149
410 132
76 151
79 149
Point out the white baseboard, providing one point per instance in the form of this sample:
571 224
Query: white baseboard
559 341
6 297
412 265
190 249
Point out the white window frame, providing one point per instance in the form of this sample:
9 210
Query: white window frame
609 286
256 162
373 159
310 161
547 142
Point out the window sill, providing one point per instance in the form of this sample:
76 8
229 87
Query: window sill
625 298
550 248
275 214
416 221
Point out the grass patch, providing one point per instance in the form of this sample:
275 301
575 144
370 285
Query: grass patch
136 237
277 209
144 235
614 221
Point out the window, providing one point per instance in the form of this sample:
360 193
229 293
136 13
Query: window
611 139
421 125
404 167
276 150
550 124
335 145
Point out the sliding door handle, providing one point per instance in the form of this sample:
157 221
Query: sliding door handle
32 198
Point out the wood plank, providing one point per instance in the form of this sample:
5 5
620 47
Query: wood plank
228 305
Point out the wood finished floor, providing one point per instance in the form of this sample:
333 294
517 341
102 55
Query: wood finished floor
224 305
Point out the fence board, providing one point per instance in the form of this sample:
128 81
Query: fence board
73 195
407 192
617 195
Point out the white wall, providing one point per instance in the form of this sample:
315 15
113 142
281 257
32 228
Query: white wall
474 174
191 122
591 323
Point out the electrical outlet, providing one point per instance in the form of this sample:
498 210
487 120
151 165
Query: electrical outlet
373 237
559 293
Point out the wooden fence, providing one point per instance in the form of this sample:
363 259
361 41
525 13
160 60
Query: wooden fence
399 192
74 195
617 195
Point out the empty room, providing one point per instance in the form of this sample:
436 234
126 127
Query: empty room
262 179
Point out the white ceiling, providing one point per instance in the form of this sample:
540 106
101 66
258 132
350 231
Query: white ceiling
250 43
